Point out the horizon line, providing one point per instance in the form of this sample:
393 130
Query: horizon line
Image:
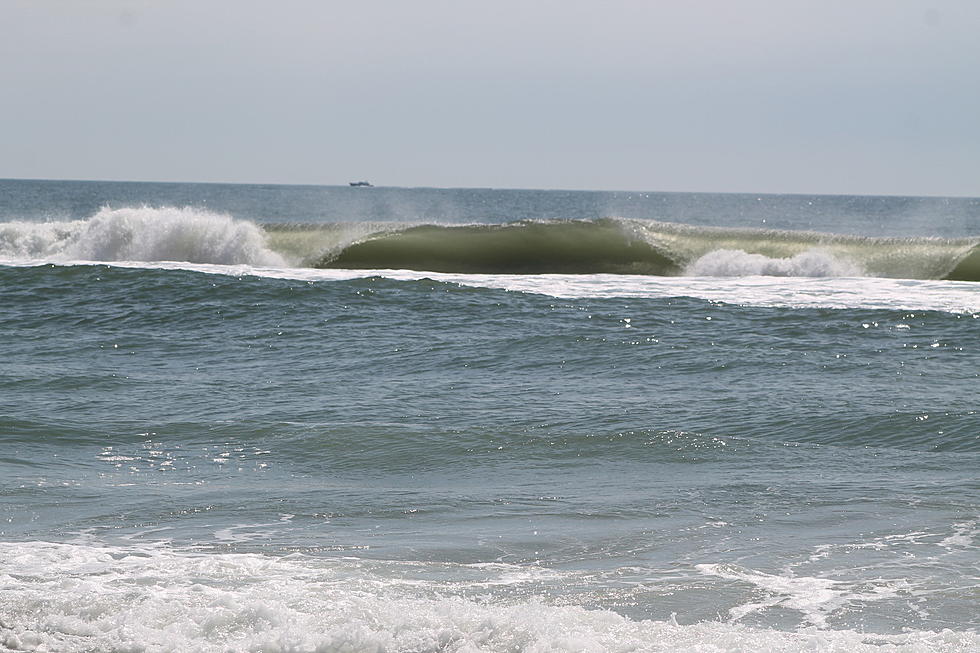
492 188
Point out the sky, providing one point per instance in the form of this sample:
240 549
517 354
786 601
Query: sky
774 96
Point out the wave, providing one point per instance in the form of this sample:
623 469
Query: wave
621 246
142 234
604 246
517 248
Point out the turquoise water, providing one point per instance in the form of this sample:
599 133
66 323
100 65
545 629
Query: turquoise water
260 418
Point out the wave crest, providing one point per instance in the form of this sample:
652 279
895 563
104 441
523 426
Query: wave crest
604 246
142 234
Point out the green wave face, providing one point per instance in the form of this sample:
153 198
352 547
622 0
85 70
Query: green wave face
968 268
620 246
574 247
608 245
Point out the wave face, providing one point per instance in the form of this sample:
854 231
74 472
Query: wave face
530 247
142 234
620 246
603 246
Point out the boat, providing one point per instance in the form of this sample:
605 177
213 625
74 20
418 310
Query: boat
367 184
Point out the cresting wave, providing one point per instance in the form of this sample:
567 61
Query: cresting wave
83 597
141 234
605 246
620 246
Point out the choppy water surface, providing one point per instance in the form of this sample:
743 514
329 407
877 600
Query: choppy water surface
320 419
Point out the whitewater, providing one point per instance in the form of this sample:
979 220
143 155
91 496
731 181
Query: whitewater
323 419
706 263
606 245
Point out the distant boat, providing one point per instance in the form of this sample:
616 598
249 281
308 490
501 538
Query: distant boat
368 184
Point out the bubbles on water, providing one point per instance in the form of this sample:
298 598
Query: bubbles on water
80 597
815 598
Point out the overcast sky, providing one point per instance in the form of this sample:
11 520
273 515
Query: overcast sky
822 96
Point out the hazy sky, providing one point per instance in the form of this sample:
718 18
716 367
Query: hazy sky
822 96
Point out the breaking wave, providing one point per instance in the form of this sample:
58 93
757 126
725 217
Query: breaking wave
737 263
608 245
620 246
78 597
141 234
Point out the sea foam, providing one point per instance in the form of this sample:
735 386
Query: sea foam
141 234
737 263
84 597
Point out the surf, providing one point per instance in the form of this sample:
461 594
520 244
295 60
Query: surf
144 234
637 247
616 246
78 597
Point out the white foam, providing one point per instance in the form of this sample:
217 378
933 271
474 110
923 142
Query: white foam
783 292
181 237
815 598
963 535
86 597
141 234
738 263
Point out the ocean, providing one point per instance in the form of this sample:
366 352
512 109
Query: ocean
332 419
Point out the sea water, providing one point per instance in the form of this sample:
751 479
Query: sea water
269 418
